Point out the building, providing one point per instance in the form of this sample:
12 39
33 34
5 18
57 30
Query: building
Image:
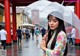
35 16
1 14
19 17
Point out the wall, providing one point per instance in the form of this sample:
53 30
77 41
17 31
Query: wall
18 19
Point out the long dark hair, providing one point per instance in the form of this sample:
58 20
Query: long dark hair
60 27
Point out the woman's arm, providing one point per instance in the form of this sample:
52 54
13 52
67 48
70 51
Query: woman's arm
59 46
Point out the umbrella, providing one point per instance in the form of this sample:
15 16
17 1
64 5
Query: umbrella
39 5
67 15
27 24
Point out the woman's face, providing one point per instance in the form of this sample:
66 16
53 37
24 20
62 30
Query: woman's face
53 22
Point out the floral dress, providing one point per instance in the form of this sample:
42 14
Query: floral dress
60 45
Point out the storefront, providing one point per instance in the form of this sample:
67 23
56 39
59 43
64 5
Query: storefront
1 14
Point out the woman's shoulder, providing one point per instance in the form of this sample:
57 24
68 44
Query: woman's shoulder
62 33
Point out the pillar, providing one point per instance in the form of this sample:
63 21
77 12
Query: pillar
77 11
14 22
7 20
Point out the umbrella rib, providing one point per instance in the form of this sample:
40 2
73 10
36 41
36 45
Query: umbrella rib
62 2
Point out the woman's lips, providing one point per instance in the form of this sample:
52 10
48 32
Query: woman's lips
51 26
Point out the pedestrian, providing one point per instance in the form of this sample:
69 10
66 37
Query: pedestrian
73 35
19 34
69 39
27 31
3 37
37 32
43 31
32 31
12 34
54 43
23 32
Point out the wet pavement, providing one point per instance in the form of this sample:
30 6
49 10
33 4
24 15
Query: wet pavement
31 48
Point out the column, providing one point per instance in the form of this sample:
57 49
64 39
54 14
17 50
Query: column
7 20
14 22
77 11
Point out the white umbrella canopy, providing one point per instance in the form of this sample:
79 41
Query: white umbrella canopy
67 15
39 5
75 21
27 24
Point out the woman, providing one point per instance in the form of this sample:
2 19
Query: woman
37 32
54 42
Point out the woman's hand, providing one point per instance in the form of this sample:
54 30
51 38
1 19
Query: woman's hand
45 37
43 45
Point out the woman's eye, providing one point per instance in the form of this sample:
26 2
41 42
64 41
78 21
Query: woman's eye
55 21
49 20
52 20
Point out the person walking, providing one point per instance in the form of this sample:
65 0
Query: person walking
32 30
3 37
19 34
43 31
27 31
23 32
73 35
54 43
37 32
12 34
